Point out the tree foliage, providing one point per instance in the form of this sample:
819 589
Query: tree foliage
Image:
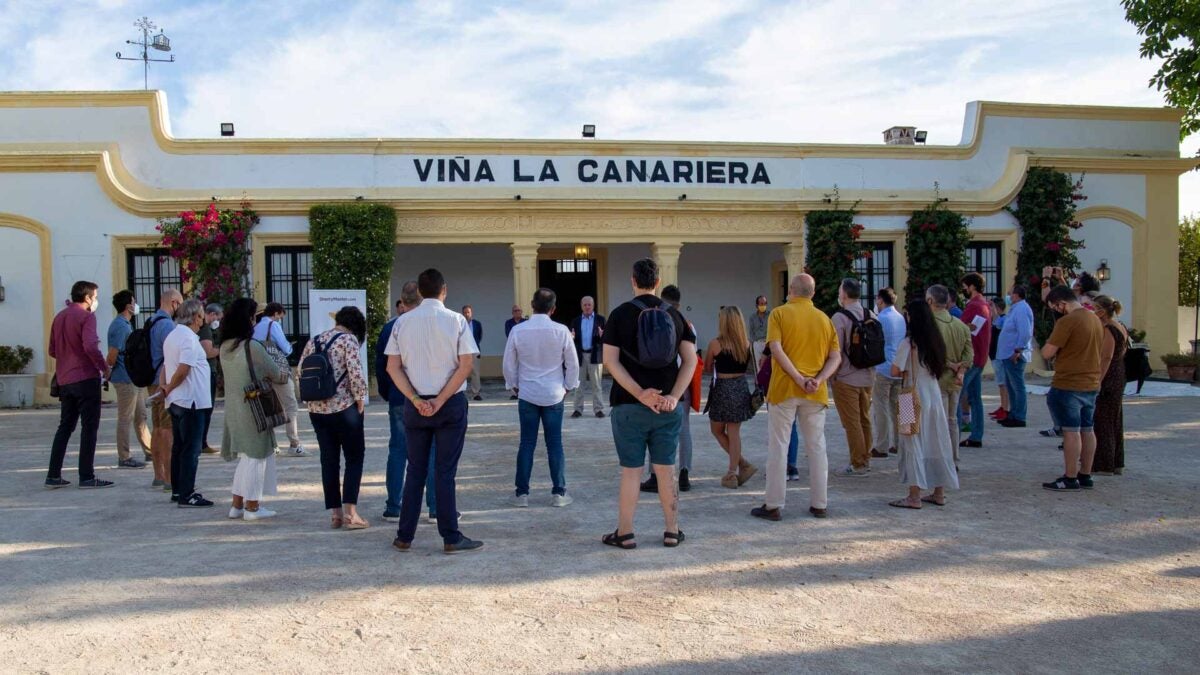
1189 253
936 247
1045 211
831 246
1170 31
353 247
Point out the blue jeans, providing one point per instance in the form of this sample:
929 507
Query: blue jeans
397 461
448 427
793 447
1014 379
550 418
187 431
1072 410
973 390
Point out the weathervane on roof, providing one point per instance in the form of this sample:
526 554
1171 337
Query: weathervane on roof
159 42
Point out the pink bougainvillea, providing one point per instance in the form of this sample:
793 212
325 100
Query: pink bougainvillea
214 260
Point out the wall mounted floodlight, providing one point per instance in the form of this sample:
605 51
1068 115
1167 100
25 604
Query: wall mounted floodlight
226 128
589 131
920 137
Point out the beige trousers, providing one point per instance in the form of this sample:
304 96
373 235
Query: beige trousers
131 411
287 396
809 417
854 411
590 377
884 401
473 384
950 402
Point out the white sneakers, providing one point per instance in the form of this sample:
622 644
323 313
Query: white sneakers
522 501
261 513
297 451
561 500
519 501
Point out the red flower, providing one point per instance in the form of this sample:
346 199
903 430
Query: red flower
1053 246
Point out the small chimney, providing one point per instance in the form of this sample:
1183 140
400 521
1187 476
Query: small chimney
900 136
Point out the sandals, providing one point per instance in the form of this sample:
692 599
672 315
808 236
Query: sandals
928 499
335 522
730 480
903 504
677 536
359 524
624 541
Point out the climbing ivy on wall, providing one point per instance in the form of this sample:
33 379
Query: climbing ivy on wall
353 247
936 247
831 246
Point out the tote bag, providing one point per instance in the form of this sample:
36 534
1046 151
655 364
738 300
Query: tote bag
263 401
908 408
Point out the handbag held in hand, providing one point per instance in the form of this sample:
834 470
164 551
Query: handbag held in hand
908 407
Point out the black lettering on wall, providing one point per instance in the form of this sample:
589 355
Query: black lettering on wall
548 172
423 174
738 172
683 171
589 176
518 176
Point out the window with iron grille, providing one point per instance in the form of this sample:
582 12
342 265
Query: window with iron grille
150 272
875 271
984 257
289 278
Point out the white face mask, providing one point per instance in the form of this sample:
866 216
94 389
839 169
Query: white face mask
216 324
136 309
93 305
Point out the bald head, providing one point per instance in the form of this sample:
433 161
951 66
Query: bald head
170 300
803 286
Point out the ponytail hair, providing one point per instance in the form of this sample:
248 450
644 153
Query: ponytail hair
1111 306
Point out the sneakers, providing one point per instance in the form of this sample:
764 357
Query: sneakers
879 454
818 513
196 501
210 450
651 484
235 513
297 451
464 545
599 413
1013 423
893 451
1050 433
1063 484
577 413
519 501
685 484
130 463
793 474
970 444
157 484
1085 481
166 487
849 471
763 512
477 397
561 500
260 514
94 484
56 483
391 517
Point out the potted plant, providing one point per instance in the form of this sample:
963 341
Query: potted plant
16 387
1181 367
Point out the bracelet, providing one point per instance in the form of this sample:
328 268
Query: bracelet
414 398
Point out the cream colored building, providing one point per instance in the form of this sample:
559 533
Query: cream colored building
84 176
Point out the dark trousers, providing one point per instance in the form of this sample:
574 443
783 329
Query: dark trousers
448 427
337 434
77 400
187 429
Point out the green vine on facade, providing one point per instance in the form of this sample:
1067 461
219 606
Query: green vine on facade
831 247
936 247
1045 211
353 246
1189 254
213 250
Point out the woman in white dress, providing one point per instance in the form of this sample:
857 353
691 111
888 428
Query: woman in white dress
254 449
926 458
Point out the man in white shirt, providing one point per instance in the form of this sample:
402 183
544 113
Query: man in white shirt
540 365
430 355
186 393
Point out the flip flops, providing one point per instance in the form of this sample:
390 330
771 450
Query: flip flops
903 504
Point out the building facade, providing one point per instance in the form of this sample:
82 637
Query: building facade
85 175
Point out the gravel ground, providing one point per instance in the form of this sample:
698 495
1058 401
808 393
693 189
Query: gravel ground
1006 578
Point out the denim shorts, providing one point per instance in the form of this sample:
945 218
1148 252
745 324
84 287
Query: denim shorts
637 429
998 368
1071 410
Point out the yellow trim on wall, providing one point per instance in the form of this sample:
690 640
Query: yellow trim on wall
46 264
119 245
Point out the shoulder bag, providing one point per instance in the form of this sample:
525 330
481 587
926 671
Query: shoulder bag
908 407
263 401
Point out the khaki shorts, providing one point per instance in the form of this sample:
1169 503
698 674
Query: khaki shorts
160 417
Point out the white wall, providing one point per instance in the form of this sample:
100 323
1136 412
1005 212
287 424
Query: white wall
620 268
712 275
21 311
1109 239
479 275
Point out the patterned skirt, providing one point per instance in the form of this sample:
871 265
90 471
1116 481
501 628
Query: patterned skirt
729 400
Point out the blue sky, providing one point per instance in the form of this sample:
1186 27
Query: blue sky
757 70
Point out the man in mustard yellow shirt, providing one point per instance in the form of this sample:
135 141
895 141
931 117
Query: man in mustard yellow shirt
804 346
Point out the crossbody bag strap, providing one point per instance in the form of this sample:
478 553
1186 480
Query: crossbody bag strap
250 363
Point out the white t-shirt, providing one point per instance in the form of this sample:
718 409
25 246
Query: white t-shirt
182 347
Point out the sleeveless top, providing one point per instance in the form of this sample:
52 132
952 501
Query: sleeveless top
1113 382
726 365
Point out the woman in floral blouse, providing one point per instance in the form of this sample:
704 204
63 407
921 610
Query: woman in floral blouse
338 421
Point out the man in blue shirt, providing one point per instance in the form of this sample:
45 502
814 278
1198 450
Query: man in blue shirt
473 385
131 399
161 324
587 329
1013 353
269 332
886 394
397 461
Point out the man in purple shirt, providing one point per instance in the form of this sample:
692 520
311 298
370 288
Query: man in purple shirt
81 367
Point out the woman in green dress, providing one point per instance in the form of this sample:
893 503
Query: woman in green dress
254 449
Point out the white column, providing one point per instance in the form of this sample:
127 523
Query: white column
525 258
666 254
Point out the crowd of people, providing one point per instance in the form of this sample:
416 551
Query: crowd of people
904 381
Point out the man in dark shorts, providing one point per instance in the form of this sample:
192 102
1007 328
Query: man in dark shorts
644 401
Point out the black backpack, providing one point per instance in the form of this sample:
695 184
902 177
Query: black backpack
317 381
865 348
139 363
657 341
